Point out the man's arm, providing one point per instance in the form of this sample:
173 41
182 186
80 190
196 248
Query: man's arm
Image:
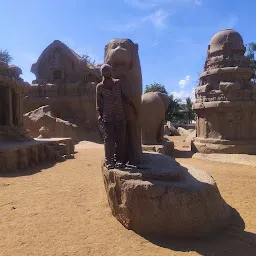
99 102
129 101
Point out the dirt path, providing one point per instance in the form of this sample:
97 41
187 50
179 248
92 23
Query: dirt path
63 210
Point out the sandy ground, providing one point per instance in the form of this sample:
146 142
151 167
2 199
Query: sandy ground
63 210
229 158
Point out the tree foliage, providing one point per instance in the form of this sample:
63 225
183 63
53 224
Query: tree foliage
177 112
155 87
5 56
251 48
87 58
181 112
189 111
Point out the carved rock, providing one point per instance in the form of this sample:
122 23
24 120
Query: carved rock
166 198
154 105
32 153
122 54
42 123
225 99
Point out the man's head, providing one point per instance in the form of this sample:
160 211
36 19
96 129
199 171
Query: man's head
106 71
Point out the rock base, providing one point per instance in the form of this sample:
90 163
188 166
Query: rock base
166 198
17 156
167 148
209 146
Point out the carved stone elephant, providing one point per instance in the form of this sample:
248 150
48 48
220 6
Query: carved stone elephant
122 55
153 110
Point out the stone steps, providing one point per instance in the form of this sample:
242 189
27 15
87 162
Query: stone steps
24 155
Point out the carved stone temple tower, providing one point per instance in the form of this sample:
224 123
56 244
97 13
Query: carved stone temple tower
226 99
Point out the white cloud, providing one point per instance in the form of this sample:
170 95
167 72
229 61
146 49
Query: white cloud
183 94
232 21
148 4
155 43
157 18
184 82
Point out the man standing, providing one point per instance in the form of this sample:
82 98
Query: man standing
109 105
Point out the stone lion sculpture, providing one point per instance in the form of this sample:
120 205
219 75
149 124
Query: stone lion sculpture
153 109
122 55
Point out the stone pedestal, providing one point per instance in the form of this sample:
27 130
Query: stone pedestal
34 152
167 148
225 127
166 198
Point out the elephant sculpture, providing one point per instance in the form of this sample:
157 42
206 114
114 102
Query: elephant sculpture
153 110
122 55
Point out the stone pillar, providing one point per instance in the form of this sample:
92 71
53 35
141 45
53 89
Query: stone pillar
20 122
9 107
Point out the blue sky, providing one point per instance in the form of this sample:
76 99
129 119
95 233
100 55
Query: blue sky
172 34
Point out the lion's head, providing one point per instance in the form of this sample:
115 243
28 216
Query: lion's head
122 55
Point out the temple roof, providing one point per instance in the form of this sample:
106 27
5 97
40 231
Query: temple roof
73 55
226 36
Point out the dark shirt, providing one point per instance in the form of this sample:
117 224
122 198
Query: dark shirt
109 102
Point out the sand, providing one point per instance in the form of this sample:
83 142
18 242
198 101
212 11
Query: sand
228 158
63 210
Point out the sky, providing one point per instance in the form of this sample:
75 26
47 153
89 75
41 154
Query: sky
172 35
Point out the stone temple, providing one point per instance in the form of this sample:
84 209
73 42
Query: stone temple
226 99
66 82
15 143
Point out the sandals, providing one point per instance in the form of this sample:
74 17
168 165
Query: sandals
110 166
120 165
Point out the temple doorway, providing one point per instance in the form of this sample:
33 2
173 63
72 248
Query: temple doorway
57 74
15 108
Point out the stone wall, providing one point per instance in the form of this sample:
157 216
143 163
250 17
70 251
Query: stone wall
72 103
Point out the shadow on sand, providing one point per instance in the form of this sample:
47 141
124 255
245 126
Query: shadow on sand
30 170
182 153
233 241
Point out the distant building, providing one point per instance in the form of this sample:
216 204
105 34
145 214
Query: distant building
59 63
67 83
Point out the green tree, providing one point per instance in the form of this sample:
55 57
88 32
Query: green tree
173 109
5 56
189 112
251 48
87 58
155 87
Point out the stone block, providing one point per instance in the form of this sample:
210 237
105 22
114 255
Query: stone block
166 198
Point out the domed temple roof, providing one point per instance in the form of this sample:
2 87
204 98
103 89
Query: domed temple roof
229 36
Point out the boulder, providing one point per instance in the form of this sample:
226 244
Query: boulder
165 198
183 132
173 130
167 131
166 148
191 137
56 127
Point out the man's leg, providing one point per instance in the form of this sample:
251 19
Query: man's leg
120 140
109 143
